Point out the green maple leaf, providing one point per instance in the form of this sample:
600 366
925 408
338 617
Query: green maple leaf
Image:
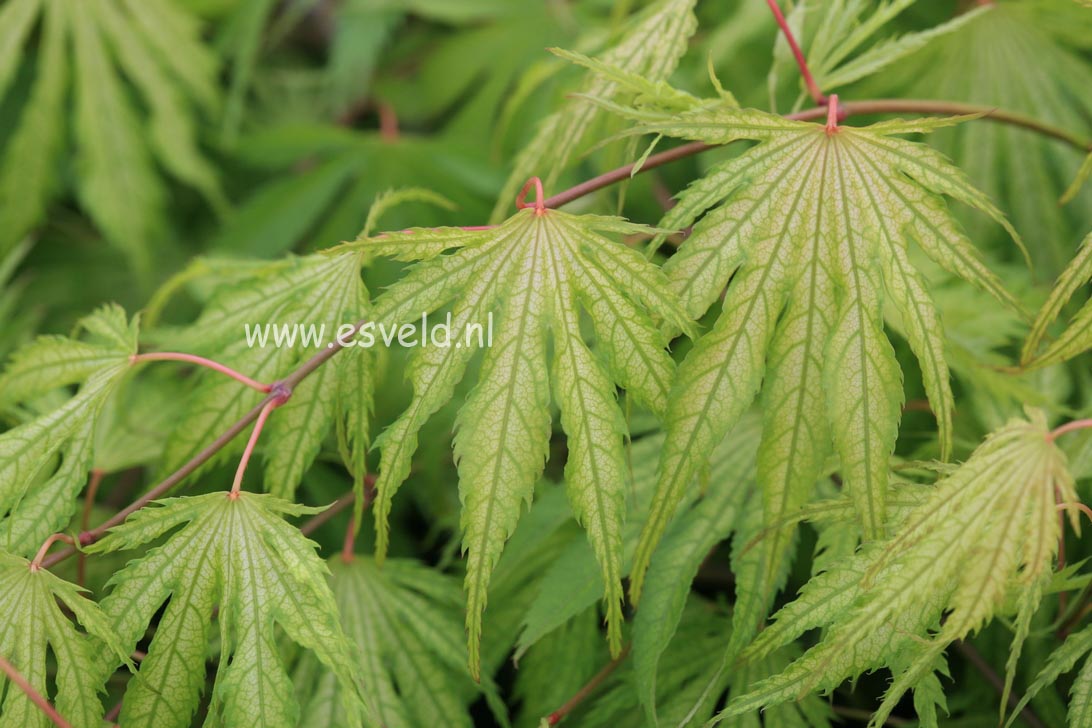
405 622
1041 70
306 206
809 231
38 493
1063 659
534 273
650 48
31 600
981 544
1077 336
834 34
316 290
237 554
94 47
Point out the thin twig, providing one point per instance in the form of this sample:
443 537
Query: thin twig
877 106
93 484
388 122
112 716
809 80
590 687
35 697
339 505
162 488
349 542
997 682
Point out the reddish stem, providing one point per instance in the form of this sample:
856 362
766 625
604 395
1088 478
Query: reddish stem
85 521
36 564
350 540
1068 427
539 204
21 682
1063 597
832 115
388 122
846 109
590 687
202 361
112 716
339 505
879 106
271 405
798 54
1078 505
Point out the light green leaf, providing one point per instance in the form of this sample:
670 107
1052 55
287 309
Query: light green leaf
240 555
37 493
1075 338
1040 74
32 600
312 296
28 175
405 623
105 45
650 48
533 275
983 543
806 231
1062 660
668 585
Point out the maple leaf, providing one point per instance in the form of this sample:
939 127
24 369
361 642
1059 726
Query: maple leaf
1023 171
155 46
405 622
240 556
1077 336
32 599
809 231
834 34
1076 646
571 581
38 494
307 206
982 543
318 290
650 48
535 273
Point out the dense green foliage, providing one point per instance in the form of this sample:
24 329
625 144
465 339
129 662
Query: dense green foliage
754 405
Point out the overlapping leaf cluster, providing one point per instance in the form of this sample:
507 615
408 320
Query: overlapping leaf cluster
833 253
982 543
810 232
44 461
